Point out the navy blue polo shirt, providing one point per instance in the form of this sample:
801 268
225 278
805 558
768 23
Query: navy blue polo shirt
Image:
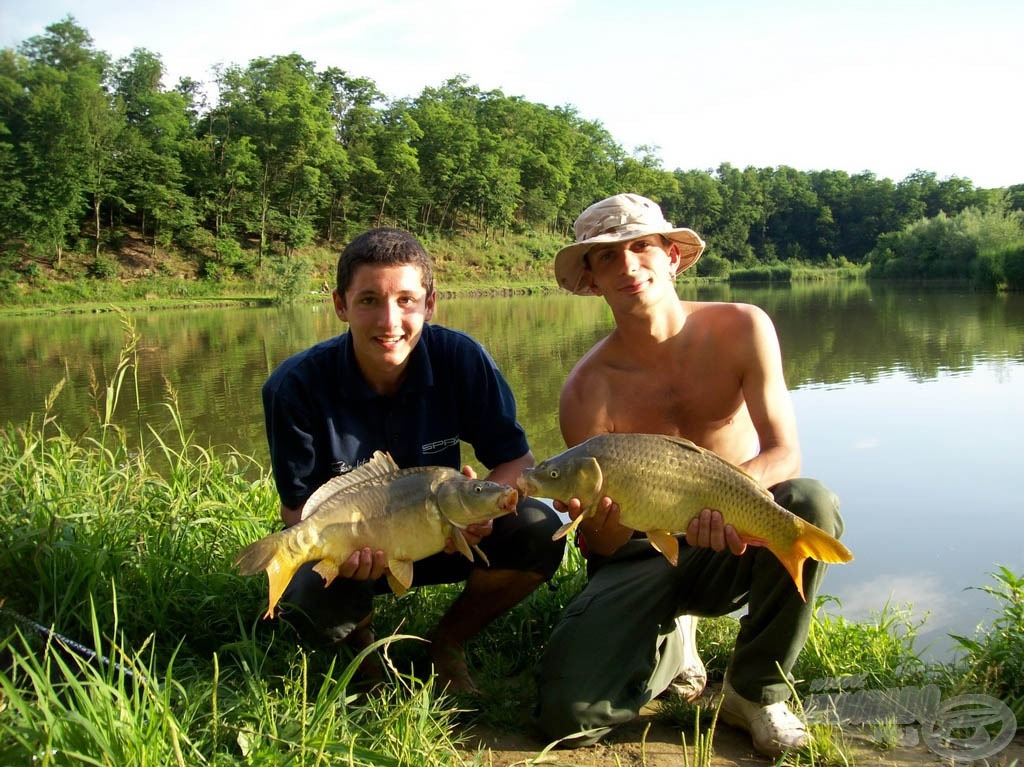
323 418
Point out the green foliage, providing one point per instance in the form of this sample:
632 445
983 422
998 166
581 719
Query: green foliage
713 265
129 551
968 245
766 273
289 278
287 157
1013 267
881 649
993 659
104 267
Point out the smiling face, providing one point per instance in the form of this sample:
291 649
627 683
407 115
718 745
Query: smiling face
385 307
641 267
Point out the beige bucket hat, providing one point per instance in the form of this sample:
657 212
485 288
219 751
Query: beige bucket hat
616 219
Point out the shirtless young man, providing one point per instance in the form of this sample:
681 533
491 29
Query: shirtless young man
711 373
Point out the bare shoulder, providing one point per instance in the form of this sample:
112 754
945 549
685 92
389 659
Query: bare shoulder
587 372
725 314
730 325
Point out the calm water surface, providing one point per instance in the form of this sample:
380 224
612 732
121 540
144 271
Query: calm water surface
909 405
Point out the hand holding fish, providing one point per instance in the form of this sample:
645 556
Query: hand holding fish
661 484
472 534
709 530
364 564
600 524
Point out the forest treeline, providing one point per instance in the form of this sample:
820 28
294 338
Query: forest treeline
276 156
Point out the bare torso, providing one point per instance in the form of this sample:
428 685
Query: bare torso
688 385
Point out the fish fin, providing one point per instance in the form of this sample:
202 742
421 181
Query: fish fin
568 527
380 465
480 553
811 543
258 555
666 543
279 574
460 543
268 554
820 545
793 560
327 569
399 575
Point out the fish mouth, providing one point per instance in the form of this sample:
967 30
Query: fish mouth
523 484
509 501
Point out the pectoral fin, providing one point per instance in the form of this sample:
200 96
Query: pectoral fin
569 527
399 575
326 569
460 543
666 543
483 557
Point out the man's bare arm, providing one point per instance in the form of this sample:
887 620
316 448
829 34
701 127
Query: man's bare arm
769 405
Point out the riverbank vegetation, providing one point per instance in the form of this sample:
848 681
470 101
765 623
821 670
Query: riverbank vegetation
128 637
251 184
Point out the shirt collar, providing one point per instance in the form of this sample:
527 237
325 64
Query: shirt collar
419 373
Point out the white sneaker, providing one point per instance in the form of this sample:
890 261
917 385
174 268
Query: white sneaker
691 681
773 728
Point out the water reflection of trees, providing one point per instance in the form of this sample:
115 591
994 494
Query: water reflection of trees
218 359
860 332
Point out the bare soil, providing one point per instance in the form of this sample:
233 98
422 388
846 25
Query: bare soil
653 742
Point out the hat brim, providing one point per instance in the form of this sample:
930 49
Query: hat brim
569 267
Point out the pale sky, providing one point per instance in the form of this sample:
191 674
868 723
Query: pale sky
886 86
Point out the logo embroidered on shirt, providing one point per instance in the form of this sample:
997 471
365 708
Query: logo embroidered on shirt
439 445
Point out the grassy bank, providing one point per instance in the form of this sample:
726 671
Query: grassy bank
128 552
144 277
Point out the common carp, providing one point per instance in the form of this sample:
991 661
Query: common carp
661 483
406 513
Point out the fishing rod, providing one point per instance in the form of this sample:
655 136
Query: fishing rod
67 643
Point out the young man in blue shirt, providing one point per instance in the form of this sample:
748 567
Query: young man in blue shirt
396 383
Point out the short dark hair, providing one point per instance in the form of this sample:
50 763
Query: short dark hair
384 246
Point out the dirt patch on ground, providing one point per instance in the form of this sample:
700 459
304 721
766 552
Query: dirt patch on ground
653 742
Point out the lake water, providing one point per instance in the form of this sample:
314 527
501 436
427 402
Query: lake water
908 401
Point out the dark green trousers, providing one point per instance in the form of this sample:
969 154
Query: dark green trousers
615 647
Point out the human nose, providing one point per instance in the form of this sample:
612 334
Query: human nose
390 314
628 261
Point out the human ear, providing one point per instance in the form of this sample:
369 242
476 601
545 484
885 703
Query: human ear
340 308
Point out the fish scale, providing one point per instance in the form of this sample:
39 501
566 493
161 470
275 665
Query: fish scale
661 483
409 514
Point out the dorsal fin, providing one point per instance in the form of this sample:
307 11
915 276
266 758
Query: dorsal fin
380 465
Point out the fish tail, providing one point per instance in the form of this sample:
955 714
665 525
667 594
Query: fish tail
269 554
793 560
257 556
811 543
818 544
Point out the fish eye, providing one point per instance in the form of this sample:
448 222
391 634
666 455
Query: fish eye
553 473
